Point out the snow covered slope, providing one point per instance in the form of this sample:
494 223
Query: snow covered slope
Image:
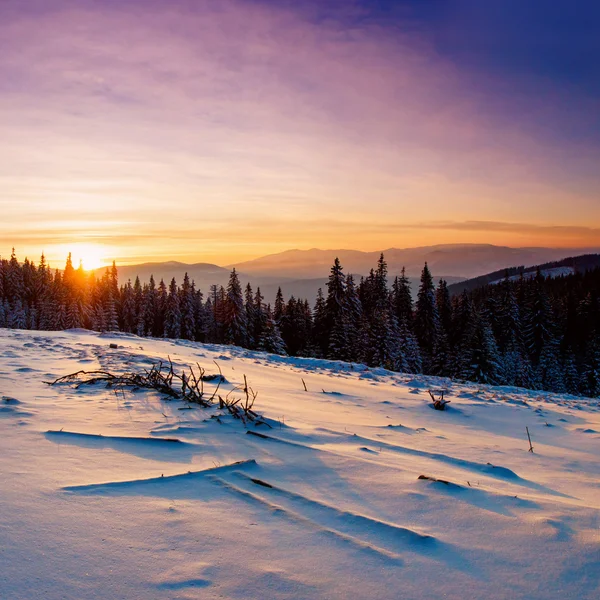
96 502
554 272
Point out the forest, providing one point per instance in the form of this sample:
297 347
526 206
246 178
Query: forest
533 332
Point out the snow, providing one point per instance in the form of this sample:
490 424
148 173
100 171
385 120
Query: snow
98 501
552 272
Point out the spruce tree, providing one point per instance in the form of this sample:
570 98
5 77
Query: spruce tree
74 317
188 309
408 350
335 312
270 340
402 299
590 380
111 315
173 313
149 307
128 308
14 288
260 317
426 319
484 364
538 325
251 315
279 308
355 341
159 302
320 337
236 325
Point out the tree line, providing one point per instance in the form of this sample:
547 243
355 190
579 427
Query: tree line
534 332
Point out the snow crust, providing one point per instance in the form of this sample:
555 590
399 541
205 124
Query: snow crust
98 501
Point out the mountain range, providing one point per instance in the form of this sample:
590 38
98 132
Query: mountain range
459 261
302 272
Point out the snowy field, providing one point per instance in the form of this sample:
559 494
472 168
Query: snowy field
96 502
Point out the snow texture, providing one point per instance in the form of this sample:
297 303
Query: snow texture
122 494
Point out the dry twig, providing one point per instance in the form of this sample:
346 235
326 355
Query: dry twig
439 403
187 386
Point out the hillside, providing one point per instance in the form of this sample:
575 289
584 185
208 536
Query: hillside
120 494
567 266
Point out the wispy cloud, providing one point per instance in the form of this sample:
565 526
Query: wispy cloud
217 118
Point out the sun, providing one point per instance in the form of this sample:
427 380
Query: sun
92 256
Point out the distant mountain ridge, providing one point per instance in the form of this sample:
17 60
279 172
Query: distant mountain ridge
169 269
457 261
571 264
302 272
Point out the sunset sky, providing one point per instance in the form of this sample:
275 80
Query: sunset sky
218 131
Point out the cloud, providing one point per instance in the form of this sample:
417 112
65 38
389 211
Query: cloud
199 121
527 228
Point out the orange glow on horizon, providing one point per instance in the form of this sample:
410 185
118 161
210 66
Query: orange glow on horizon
91 256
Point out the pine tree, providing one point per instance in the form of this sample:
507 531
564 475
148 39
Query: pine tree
159 300
463 335
4 309
236 325
3 269
149 307
74 316
173 313
187 308
14 288
409 351
210 322
484 359
443 305
380 287
384 340
538 324
307 347
356 347
279 308
98 317
220 307
201 319
251 316
426 319
138 296
69 274
260 317
550 373
590 384
110 311
128 312
17 317
270 340
402 299
335 309
320 337
571 378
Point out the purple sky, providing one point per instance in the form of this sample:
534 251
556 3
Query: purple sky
226 130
